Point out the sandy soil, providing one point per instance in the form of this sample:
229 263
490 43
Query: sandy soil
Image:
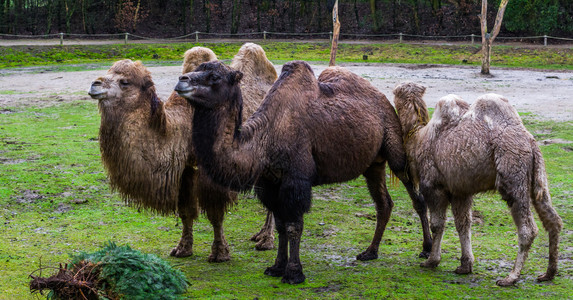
547 94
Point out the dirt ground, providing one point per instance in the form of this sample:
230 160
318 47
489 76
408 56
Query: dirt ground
547 94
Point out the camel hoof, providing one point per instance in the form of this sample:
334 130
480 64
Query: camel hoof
293 275
463 270
430 264
424 254
265 244
506 282
367 255
275 271
255 237
218 258
546 277
294 279
181 252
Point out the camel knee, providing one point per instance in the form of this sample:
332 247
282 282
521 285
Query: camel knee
436 227
527 235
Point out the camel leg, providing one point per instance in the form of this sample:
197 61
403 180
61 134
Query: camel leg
188 209
376 182
219 248
461 209
268 194
438 204
293 272
266 237
526 232
422 210
397 163
553 225
278 269
214 200
293 201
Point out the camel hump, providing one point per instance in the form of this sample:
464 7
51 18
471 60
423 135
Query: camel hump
252 60
196 56
298 73
339 75
450 108
494 109
335 80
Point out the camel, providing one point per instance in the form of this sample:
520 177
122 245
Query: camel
307 132
147 152
464 150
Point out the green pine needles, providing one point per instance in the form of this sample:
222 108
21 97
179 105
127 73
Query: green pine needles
114 272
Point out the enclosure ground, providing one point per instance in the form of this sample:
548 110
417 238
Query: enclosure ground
547 94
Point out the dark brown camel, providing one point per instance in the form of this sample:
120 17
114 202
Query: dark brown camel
146 146
305 133
464 150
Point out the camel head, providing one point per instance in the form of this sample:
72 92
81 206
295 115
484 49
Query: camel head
210 85
410 106
125 83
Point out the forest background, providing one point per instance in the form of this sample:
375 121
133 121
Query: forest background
169 18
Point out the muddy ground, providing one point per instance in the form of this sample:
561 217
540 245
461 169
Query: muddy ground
547 94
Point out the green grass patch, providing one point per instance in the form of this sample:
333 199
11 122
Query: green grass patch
55 201
171 54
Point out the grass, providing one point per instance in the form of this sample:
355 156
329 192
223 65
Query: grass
55 201
65 57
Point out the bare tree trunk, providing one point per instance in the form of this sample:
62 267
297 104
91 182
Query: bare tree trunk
50 17
84 16
487 38
3 21
374 12
235 16
207 7
335 33
70 9
259 17
292 16
134 24
356 15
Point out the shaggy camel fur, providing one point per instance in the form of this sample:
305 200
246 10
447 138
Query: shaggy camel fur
464 150
146 149
305 133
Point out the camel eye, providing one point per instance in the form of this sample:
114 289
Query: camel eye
124 82
215 77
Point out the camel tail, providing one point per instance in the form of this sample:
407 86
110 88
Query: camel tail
549 217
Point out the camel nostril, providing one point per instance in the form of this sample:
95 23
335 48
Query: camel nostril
184 78
97 83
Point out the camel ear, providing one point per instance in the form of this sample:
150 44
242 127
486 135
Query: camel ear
235 77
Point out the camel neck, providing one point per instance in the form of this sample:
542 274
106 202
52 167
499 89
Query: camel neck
227 158
412 118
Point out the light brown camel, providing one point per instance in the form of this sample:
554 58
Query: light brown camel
306 132
146 149
464 150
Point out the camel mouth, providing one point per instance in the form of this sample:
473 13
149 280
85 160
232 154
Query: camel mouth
97 92
185 91
97 95
186 94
